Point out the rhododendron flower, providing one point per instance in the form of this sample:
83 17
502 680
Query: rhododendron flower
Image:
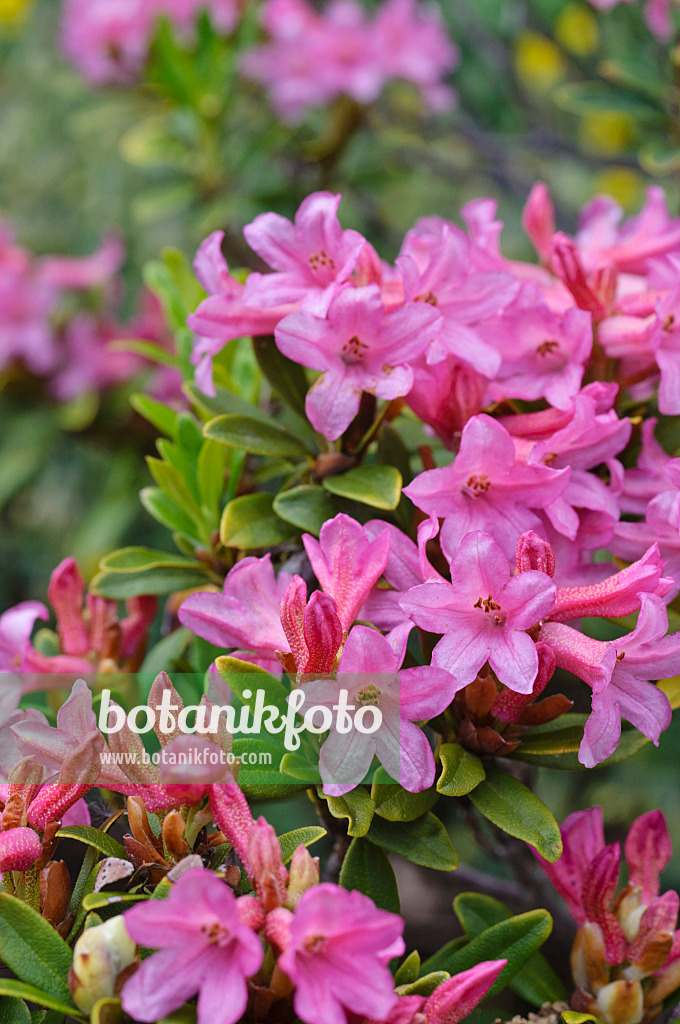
487 488
312 257
337 954
438 265
204 949
223 316
543 353
246 613
358 347
16 626
311 58
313 628
347 562
619 673
369 671
629 937
483 613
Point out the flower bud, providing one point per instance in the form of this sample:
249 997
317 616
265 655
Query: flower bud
66 593
535 553
268 873
303 873
101 955
621 1002
19 848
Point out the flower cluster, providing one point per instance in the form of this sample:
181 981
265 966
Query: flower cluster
312 58
471 340
294 945
626 956
109 40
48 327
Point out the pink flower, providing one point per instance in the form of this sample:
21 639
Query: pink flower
26 303
483 614
16 626
487 487
312 257
440 266
339 948
222 316
107 40
205 949
413 45
543 353
358 347
369 671
246 613
619 674
456 997
445 396
347 562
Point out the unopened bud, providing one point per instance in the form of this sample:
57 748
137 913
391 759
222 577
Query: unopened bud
101 960
66 593
24 782
621 1002
268 873
535 553
303 873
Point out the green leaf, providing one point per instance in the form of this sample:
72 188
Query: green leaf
558 747
101 841
21 990
424 986
287 378
212 462
394 803
173 480
290 841
514 940
536 981
33 950
461 770
99 900
137 559
584 98
377 486
424 841
299 768
356 806
516 810
408 970
224 402
367 869
242 675
572 1017
307 507
251 435
250 522
168 513
13 1011
159 415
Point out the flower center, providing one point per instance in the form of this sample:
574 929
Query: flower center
353 350
320 260
428 297
476 485
546 347
669 323
214 933
369 695
489 607
314 943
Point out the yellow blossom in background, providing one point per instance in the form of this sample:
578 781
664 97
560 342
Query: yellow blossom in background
539 63
13 12
576 30
608 132
624 184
